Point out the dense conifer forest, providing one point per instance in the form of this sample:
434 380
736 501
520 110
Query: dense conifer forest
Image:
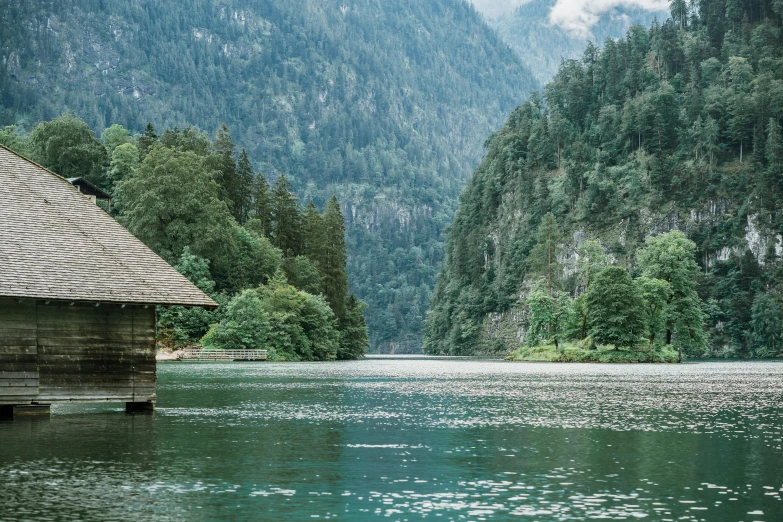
386 104
542 45
676 127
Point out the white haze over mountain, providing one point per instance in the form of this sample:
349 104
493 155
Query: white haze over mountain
575 16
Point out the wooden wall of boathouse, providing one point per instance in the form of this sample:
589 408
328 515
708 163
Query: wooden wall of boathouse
58 352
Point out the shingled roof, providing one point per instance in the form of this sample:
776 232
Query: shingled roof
56 244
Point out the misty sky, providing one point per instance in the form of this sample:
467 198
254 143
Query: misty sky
577 16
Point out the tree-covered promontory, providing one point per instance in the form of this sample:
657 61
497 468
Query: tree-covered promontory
277 270
674 127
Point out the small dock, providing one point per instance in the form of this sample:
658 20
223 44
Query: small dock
223 355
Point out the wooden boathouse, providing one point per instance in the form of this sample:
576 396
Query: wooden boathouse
77 297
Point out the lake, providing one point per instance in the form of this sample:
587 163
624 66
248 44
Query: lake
412 439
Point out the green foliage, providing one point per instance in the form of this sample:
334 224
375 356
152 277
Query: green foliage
335 256
571 352
656 294
114 136
304 274
291 324
767 321
14 140
671 127
543 258
178 325
67 146
245 325
543 311
353 341
615 308
124 163
286 221
385 104
172 203
670 258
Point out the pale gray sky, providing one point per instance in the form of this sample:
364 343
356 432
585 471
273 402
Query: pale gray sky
576 16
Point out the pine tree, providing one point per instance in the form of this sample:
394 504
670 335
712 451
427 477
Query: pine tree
245 187
261 205
353 341
335 258
226 168
287 224
146 141
313 235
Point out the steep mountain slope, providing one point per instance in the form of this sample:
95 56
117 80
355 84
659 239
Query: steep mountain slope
543 44
675 127
386 104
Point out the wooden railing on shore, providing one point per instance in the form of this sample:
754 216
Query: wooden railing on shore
197 354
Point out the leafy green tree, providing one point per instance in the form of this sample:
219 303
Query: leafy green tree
767 323
548 318
353 331
591 260
114 136
543 310
67 146
245 260
304 275
655 297
11 137
543 258
615 308
172 202
178 325
671 258
245 325
124 163
302 326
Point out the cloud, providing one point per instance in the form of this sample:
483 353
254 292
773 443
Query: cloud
579 16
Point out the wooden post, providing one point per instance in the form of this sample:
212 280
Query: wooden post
139 407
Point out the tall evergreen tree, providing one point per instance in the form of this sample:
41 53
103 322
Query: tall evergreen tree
334 258
245 187
226 169
313 235
287 224
146 141
261 204
353 330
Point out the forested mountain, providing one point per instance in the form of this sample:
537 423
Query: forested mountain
385 103
675 127
543 43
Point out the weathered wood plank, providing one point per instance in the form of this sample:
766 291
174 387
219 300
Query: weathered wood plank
7 383
18 375
27 391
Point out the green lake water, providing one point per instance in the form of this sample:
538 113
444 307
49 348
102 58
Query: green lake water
412 439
